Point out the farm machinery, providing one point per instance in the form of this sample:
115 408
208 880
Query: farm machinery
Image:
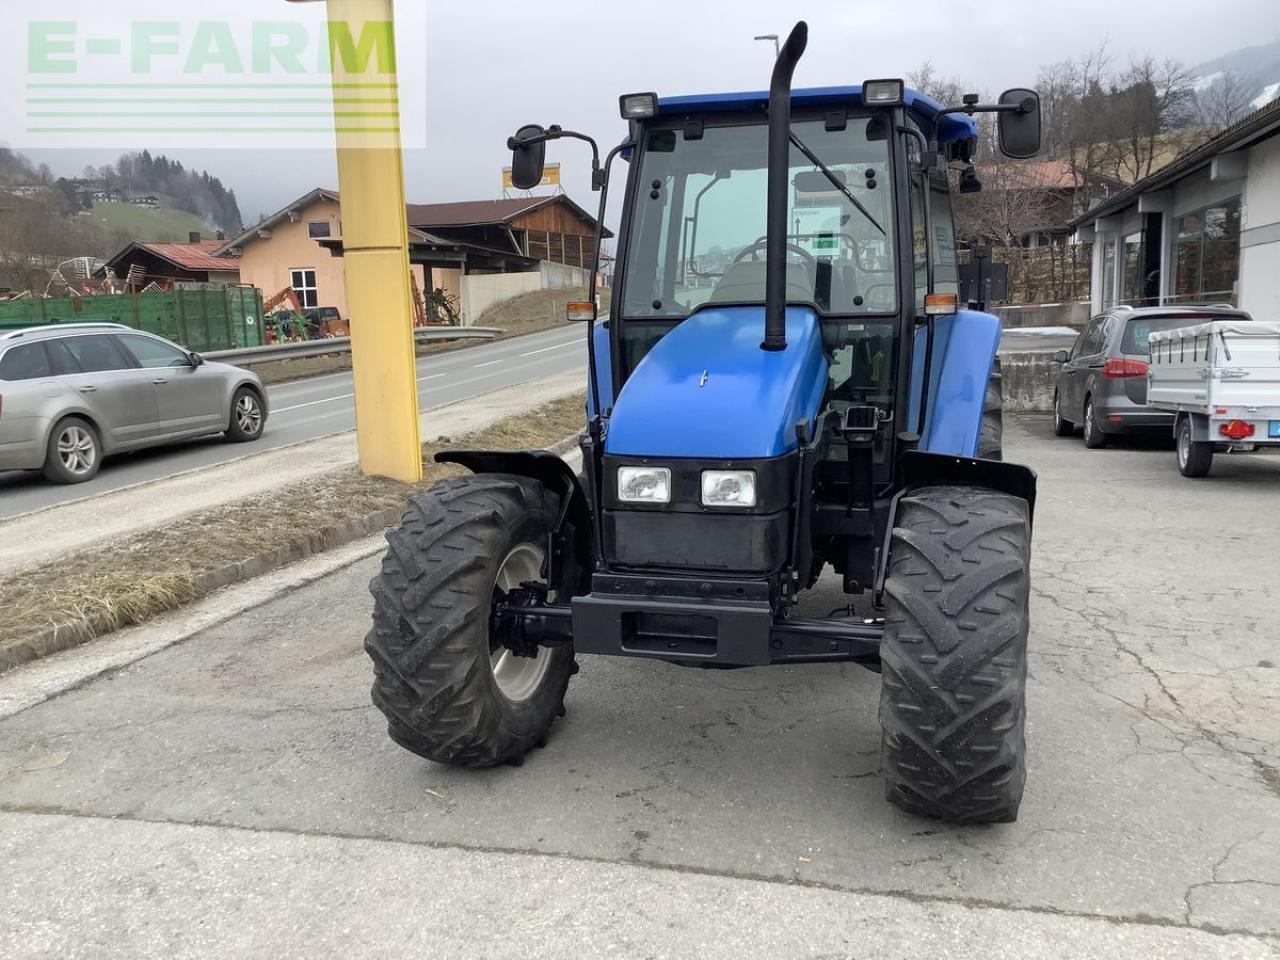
785 384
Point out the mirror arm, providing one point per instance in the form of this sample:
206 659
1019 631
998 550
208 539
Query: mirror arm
555 132
592 283
1026 105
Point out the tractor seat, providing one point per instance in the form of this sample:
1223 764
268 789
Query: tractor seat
744 283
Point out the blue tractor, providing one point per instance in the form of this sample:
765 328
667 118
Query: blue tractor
785 383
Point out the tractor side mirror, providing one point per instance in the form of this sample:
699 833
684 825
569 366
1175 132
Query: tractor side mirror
1060 357
1020 129
527 159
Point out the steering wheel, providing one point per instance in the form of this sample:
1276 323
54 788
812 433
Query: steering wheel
762 244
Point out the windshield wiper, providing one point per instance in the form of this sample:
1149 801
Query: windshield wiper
835 181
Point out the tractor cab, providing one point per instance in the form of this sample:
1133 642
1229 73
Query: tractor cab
785 384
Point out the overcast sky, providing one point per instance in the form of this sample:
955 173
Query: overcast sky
494 65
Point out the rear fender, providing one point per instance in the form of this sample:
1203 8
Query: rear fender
964 352
571 547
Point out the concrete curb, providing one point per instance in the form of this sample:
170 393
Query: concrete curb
64 636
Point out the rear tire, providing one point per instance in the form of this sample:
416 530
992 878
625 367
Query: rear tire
991 437
436 678
1062 427
73 453
248 416
954 656
1094 438
1195 457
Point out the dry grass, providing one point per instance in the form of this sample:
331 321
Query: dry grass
130 580
539 310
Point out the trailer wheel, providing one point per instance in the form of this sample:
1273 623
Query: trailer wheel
954 656
991 437
1195 457
449 691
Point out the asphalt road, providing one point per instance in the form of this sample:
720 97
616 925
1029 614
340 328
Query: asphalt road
235 794
317 407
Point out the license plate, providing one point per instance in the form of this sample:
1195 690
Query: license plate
1274 429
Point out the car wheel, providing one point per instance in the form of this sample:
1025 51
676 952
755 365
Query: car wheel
1093 435
1062 427
248 418
74 452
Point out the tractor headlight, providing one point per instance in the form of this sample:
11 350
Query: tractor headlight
644 484
728 488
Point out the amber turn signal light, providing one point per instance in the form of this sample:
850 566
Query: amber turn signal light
940 304
581 310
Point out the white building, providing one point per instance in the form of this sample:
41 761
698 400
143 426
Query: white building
1204 229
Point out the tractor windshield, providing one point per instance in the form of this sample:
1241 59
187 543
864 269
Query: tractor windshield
697 233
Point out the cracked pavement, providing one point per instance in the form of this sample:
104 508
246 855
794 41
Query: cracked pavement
235 794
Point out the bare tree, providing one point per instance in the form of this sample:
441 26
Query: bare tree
946 90
1224 101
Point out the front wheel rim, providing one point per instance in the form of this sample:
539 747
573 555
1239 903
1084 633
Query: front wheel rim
248 414
518 678
77 451
1184 446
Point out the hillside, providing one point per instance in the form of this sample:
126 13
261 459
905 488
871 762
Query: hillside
140 223
1258 67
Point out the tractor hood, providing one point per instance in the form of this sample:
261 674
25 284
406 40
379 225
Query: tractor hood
706 390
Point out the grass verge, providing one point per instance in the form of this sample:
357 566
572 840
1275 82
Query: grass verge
75 598
536 311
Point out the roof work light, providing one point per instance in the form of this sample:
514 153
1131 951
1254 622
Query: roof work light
638 106
882 93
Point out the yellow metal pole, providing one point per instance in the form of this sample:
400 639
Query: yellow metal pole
376 260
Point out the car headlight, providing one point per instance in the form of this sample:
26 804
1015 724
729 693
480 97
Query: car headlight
644 484
728 488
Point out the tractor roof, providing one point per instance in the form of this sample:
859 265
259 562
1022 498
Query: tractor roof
954 126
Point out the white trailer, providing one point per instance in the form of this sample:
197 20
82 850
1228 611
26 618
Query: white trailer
1222 381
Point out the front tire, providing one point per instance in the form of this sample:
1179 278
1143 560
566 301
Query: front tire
73 453
1062 427
1195 457
954 656
449 693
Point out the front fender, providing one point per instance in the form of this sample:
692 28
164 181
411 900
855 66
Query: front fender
571 540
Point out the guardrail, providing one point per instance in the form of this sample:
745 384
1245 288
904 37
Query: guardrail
319 348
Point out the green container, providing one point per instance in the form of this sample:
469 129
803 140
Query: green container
200 319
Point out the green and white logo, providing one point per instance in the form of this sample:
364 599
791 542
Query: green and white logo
280 75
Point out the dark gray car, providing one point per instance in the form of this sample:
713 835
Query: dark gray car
1102 384
74 393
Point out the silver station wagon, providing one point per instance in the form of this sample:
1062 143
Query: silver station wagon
74 393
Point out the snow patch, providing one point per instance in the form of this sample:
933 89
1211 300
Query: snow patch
1269 93
1201 84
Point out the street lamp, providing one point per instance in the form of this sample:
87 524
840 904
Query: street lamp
777 47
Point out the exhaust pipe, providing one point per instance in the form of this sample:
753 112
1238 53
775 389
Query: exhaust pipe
775 277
